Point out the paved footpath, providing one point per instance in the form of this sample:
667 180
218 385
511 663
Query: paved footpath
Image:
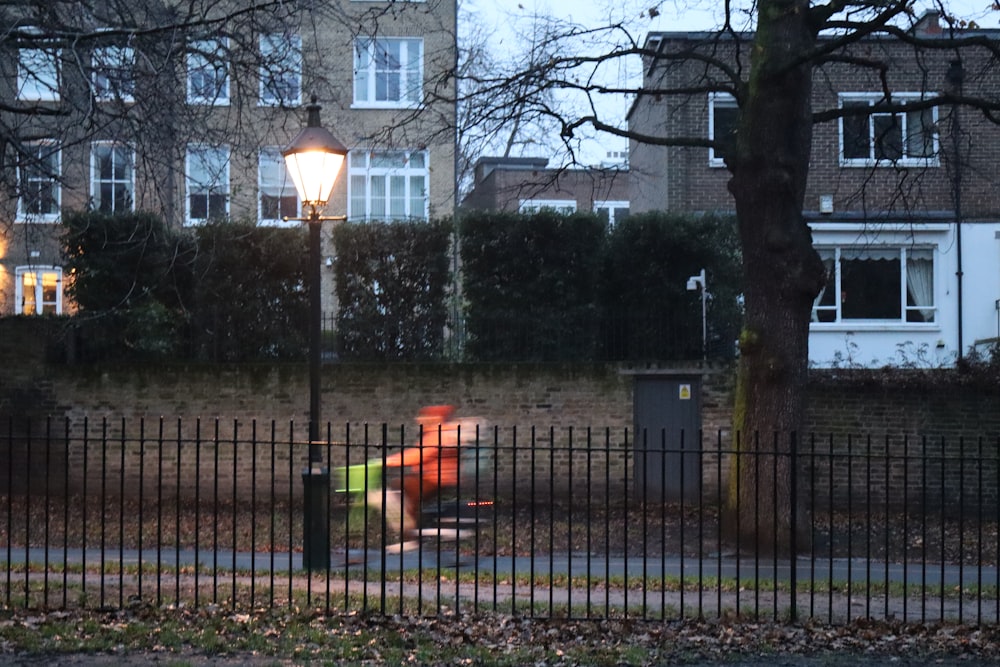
361 573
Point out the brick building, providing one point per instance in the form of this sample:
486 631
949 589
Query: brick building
182 109
903 207
526 184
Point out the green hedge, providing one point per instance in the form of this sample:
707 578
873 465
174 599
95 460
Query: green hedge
223 291
548 287
540 287
530 284
393 281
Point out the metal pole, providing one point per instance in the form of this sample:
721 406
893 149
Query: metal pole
315 478
704 318
955 77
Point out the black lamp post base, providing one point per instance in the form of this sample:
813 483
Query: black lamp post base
316 519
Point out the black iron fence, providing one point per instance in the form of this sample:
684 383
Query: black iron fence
570 523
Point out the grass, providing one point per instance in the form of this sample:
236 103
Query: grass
177 636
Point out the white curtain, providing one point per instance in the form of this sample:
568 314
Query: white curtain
920 281
828 257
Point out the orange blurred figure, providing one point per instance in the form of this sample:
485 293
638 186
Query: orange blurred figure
428 466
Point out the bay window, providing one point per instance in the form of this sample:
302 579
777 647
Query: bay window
38 177
208 73
38 290
281 69
388 71
876 284
111 177
723 114
387 185
38 75
112 74
874 135
278 197
207 173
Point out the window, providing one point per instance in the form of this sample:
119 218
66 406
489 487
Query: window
278 198
881 137
38 75
111 182
723 115
388 72
38 290
112 75
207 183
387 185
281 69
38 182
611 211
878 284
564 206
207 73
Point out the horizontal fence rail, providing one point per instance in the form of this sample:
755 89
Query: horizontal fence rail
540 522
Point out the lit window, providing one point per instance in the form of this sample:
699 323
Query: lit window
38 182
207 73
387 185
874 135
38 290
38 75
112 73
388 72
207 183
281 69
611 211
876 283
563 206
111 181
278 198
723 114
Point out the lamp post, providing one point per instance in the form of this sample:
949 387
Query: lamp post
313 160
698 282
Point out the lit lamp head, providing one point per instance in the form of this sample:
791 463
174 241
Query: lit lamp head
313 160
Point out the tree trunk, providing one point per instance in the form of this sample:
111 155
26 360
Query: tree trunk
782 272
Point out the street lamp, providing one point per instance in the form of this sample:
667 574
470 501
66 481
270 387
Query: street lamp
313 160
698 282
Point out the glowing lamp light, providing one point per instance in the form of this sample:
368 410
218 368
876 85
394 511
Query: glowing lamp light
313 160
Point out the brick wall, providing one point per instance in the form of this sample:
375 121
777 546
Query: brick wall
680 178
925 438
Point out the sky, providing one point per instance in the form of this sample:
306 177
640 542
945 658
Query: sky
508 21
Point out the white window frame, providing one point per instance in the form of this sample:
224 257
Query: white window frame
39 293
271 174
288 64
218 180
36 173
722 100
561 206
871 161
120 152
206 58
38 75
904 251
366 167
113 73
407 78
610 205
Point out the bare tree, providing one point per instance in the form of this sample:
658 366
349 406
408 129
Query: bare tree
770 72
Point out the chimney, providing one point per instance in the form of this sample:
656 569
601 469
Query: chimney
928 24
